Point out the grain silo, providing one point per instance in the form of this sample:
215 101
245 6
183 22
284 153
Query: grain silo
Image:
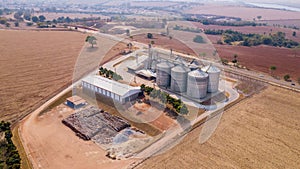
197 84
163 73
179 78
214 76
153 65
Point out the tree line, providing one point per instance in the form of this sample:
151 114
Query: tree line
9 155
276 39
165 98
225 23
187 29
109 74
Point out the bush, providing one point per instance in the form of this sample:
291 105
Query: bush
199 39
29 23
164 98
149 35
287 77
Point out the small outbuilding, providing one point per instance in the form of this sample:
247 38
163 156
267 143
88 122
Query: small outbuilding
75 102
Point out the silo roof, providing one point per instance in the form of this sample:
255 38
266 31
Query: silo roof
211 69
180 68
165 64
180 60
198 73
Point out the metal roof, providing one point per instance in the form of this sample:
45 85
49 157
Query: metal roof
111 85
180 68
146 73
211 69
165 64
198 73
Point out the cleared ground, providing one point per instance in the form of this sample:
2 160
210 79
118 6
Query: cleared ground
260 132
36 65
53 145
245 13
165 42
260 58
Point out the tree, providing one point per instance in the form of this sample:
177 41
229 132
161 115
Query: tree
143 86
35 19
235 56
287 77
27 16
129 45
3 20
127 32
29 23
272 69
18 15
259 17
149 35
16 24
199 39
294 33
42 18
91 40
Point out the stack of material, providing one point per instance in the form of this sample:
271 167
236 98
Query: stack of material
93 123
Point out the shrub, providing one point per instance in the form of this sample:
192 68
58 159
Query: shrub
199 39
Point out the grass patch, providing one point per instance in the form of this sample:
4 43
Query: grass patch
25 163
56 103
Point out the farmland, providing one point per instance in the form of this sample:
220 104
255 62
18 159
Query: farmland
246 13
260 58
261 131
165 42
35 65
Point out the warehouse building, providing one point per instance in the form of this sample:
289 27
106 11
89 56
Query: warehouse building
110 88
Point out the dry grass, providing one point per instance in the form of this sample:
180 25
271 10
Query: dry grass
37 65
34 65
25 163
245 13
260 132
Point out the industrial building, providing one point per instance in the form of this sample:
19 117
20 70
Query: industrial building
182 77
175 74
110 88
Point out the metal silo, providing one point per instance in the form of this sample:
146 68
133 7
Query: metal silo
197 84
179 78
153 65
163 73
213 79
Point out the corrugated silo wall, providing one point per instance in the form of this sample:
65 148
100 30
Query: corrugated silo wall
178 81
213 82
197 86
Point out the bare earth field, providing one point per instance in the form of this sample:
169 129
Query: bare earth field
164 42
246 13
260 58
260 132
251 29
37 64
34 65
